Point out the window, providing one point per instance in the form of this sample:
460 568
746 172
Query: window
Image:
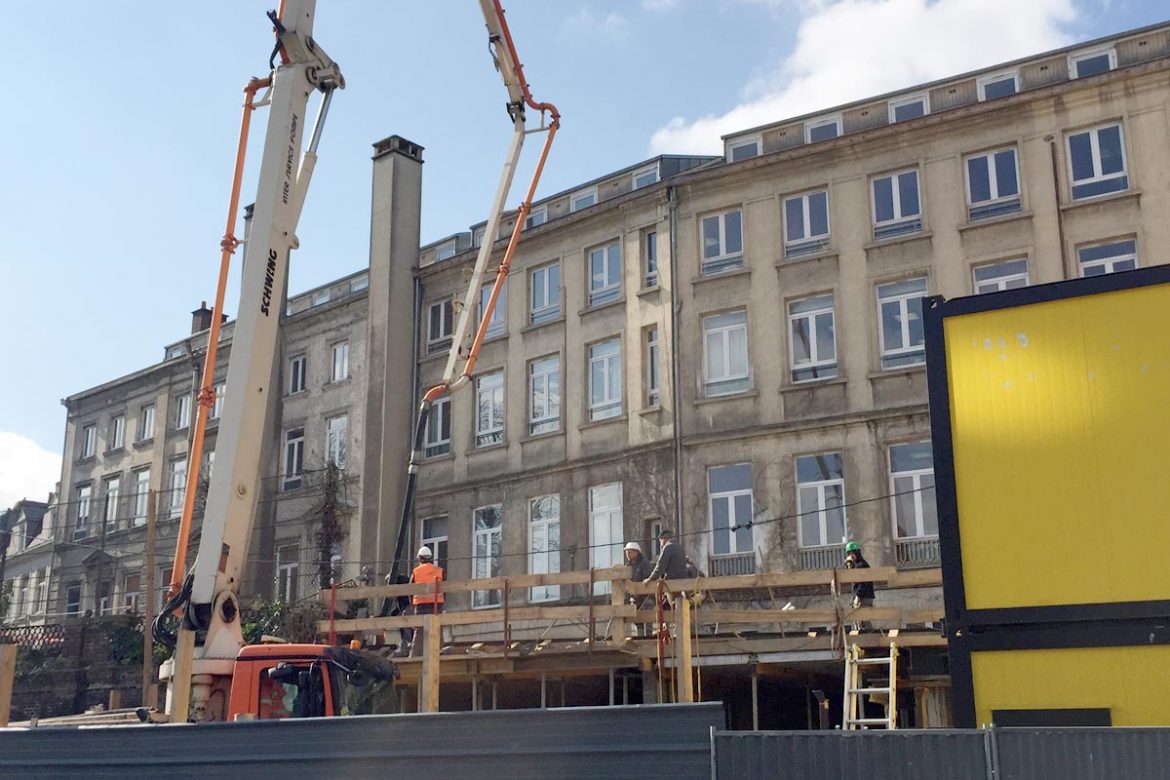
651 359
178 485
997 277
822 129
438 438
164 577
605 379
117 432
537 217
84 501
296 375
41 592
105 597
544 535
1096 159
544 395
288 571
440 319
912 490
729 491
545 304
1108 258
496 323
650 258
725 356
340 361
88 441
583 199
146 423
997 86
444 251
217 404
433 534
489 405
488 531
294 458
722 242
900 312
606 534
477 236
141 495
812 339
73 599
605 274
359 283
993 184
742 150
806 224
820 499
112 487
131 593
337 440
320 297
645 177
1092 63
896 207
182 411
909 108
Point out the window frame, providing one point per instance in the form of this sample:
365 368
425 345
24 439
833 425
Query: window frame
1094 133
808 244
446 322
486 599
494 435
607 553
994 78
437 445
111 498
814 364
732 146
339 373
732 518
337 440
907 349
997 205
145 422
287 571
648 243
642 173
497 326
117 432
182 411
900 224
552 557
293 455
1109 262
446 250
530 221
437 542
581 194
551 310
724 261
822 507
725 331
915 476
551 385
1003 281
895 104
609 407
141 495
1076 57
609 291
652 349
298 369
84 511
178 484
88 440
824 121
217 402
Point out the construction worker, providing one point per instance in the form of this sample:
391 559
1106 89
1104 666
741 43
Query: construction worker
639 570
862 591
431 602
672 562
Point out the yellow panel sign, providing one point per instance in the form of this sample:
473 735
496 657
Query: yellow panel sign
1122 680
1060 425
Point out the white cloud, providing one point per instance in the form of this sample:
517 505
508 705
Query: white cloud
26 470
848 49
611 26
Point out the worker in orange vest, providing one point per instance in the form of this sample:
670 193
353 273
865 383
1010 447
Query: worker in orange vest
429 603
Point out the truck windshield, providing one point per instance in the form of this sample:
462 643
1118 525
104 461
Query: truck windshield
358 694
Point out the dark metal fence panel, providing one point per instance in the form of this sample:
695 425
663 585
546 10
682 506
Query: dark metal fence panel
1083 753
654 741
837 755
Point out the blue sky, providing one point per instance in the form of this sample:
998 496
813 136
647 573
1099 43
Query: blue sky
120 123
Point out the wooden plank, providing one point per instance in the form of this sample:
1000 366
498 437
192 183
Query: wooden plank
685 673
183 660
480 617
883 614
618 624
432 641
7 678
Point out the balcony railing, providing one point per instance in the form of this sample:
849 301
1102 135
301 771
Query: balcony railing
822 557
917 553
736 563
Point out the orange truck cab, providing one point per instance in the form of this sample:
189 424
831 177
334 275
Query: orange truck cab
275 681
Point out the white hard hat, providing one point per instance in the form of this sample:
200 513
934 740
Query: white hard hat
425 552
634 546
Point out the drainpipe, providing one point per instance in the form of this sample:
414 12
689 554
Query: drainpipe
415 335
675 369
1056 195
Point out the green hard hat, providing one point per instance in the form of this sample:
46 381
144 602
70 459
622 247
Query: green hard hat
852 547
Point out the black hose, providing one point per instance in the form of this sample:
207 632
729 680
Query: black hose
162 635
420 432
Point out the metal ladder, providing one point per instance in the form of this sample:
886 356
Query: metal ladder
855 689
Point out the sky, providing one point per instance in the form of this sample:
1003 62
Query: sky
120 119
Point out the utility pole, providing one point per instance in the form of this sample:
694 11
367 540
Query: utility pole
148 603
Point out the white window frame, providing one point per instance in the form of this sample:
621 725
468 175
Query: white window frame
293 459
536 217
611 255
146 422
915 476
1088 54
1098 177
117 432
1001 281
288 571
582 194
540 281
607 355
41 592
756 140
337 440
437 542
739 382
446 250
723 261
131 598
178 485
359 283
903 300
182 411
84 511
649 247
89 440
73 605
339 354
141 495
636 176
808 244
816 124
997 204
435 443
822 368
652 352
900 224
319 297
105 603
297 374
436 342
477 236
217 402
606 530
732 518
490 390
111 498
992 78
489 565
894 105
497 324
1109 263
548 381
544 558
821 508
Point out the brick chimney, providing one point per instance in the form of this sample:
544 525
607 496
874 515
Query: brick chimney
200 318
